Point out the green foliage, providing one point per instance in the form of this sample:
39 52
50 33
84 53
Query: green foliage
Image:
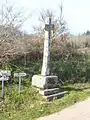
68 70
88 70
31 67
29 105
73 69
6 67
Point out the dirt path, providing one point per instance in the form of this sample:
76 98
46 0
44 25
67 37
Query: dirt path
79 111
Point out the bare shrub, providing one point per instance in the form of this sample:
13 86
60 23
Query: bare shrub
11 39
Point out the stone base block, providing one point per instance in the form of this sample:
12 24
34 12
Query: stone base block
55 96
45 81
49 91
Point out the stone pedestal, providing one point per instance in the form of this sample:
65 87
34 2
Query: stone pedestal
45 82
49 84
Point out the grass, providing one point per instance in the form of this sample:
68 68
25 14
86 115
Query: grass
29 105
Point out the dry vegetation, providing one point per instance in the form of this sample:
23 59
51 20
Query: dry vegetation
14 44
82 41
11 38
32 46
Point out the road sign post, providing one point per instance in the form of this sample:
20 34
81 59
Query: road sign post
19 84
4 77
2 91
19 75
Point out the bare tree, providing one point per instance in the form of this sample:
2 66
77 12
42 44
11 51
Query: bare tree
44 14
11 38
60 25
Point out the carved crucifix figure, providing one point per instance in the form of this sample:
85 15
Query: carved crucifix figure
46 55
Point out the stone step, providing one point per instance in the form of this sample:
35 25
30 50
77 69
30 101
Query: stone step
49 91
58 95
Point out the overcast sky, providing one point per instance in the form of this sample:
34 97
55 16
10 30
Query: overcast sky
76 12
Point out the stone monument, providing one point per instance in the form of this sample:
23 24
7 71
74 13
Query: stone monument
45 80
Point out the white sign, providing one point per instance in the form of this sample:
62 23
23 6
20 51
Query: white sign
5 73
19 74
4 78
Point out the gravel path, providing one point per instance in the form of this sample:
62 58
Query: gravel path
79 111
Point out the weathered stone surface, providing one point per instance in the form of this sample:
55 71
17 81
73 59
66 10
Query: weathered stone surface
46 54
44 81
58 95
48 91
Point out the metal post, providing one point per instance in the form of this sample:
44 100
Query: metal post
19 84
2 91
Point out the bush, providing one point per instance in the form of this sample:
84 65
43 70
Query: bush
73 69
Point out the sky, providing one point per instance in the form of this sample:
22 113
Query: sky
76 13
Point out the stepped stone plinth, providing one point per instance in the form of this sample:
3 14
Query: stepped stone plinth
47 82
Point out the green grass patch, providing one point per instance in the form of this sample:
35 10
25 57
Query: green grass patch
29 105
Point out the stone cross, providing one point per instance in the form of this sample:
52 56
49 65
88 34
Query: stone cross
45 80
46 55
